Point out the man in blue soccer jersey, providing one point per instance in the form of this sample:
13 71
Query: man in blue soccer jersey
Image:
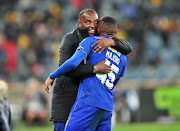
94 104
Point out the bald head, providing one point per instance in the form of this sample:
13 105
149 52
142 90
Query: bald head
3 90
88 19
107 26
84 11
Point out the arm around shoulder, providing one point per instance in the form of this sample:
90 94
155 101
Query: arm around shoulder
122 46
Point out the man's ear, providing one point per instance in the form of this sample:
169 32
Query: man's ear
116 31
98 30
79 23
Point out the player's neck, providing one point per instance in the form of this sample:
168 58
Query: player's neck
109 35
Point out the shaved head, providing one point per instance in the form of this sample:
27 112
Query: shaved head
88 19
107 25
84 11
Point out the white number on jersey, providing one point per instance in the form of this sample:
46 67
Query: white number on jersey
109 78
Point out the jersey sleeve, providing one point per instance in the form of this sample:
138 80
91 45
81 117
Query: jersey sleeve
82 51
85 45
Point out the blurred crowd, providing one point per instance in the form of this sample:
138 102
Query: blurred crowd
35 103
31 32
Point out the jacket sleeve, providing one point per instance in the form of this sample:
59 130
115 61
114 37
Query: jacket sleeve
82 71
67 49
122 46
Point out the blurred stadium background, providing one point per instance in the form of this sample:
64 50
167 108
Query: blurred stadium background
30 36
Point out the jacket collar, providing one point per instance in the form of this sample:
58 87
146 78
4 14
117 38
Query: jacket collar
82 33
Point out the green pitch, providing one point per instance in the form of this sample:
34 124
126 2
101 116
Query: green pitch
123 127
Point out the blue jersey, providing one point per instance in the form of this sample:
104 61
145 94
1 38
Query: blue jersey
95 90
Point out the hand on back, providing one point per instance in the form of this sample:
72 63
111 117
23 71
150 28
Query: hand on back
103 68
102 44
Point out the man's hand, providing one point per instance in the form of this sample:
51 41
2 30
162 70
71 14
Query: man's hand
48 82
102 44
101 67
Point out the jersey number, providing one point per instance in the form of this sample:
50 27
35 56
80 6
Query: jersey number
109 78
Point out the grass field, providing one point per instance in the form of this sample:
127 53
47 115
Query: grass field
123 127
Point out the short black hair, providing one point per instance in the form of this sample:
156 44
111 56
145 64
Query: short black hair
108 23
84 11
